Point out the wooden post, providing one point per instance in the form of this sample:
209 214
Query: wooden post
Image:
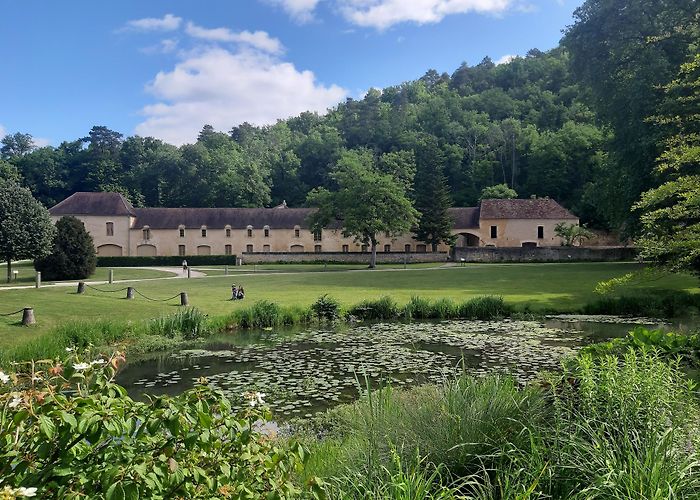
28 316
81 288
226 270
189 272
111 276
404 261
184 300
129 293
37 284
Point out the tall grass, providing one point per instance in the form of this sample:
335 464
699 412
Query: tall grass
655 305
383 308
190 323
266 314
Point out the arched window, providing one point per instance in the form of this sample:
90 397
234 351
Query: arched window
266 229
297 231
228 231
250 231
204 231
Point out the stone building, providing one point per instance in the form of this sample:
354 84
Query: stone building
120 229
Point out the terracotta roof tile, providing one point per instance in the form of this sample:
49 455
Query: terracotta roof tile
533 208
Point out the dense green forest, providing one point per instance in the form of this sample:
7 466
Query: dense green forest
572 123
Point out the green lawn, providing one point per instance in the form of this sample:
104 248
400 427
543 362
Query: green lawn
27 274
562 287
304 268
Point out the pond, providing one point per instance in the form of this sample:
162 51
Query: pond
303 372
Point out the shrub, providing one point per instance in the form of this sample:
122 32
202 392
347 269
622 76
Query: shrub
68 428
190 323
326 308
484 308
73 254
656 305
418 308
266 314
166 260
382 308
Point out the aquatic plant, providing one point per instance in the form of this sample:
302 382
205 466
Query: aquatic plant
326 308
382 308
190 323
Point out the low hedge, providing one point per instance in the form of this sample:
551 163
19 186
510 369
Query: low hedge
167 260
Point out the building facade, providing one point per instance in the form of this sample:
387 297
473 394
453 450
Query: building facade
118 228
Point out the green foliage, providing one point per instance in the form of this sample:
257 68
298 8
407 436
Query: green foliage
653 305
73 255
26 230
499 191
484 308
69 431
266 314
189 323
367 202
378 309
572 234
167 260
326 308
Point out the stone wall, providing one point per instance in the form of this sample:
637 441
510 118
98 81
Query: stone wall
341 257
544 254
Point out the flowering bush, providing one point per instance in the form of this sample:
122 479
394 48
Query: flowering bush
68 431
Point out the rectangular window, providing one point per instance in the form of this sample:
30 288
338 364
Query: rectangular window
540 232
182 232
110 229
249 248
266 248
204 233
420 248
317 248
387 248
345 249
228 232
227 249
181 250
296 233
407 248
146 234
363 248
267 233
318 235
494 231
250 233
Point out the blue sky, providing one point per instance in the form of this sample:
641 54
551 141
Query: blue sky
165 68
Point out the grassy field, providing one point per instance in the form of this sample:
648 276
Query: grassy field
27 274
555 287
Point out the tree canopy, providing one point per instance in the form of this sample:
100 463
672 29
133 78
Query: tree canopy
73 255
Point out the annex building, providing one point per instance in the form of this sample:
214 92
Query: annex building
118 228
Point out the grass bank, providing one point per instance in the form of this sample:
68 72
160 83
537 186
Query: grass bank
528 287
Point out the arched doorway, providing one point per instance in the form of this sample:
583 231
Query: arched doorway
297 248
109 251
146 250
203 250
467 240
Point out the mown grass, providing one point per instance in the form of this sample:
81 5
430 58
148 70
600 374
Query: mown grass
529 287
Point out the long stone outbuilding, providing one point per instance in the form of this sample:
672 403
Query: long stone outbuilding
119 229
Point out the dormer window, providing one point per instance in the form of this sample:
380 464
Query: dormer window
110 229
318 235
296 231
267 231
249 231
204 231
228 231
181 231
146 233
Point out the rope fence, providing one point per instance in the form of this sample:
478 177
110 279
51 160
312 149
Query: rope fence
106 291
12 313
27 315
184 300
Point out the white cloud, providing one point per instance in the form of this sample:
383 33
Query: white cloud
168 22
41 142
163 47
260 40
3 131
382 14
224 88
301 10
505 59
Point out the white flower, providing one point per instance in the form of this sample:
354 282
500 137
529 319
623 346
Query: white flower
98 362
4 377
16 401
35 378
81 366
69 349
27 492
254 398
259 397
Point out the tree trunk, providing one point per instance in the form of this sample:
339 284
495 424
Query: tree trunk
9 270
373 257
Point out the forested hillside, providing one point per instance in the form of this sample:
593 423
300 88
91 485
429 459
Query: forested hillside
570 123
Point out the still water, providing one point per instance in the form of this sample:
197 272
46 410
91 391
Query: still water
306 371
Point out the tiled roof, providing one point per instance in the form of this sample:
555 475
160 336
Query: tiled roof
218 218
533 208
464 217
83 203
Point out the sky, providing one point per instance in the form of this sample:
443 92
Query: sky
164 68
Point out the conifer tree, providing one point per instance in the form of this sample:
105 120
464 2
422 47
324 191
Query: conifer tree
73 255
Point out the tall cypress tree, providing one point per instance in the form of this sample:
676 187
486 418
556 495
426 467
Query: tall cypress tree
432 195
73 255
